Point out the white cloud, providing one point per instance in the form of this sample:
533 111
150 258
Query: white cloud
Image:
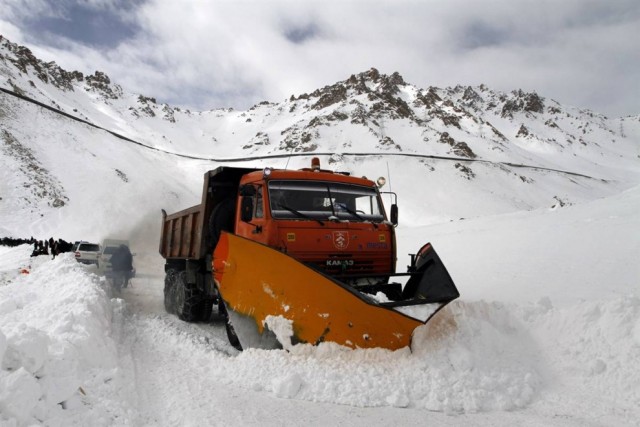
222 53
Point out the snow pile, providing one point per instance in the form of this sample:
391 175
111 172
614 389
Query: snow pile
60 341
55 323
596 344
471 358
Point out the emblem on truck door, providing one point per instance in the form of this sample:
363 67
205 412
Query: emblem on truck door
341 239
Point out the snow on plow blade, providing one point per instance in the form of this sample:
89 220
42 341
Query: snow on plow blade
256 281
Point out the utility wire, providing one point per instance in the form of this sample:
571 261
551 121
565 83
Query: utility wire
286 155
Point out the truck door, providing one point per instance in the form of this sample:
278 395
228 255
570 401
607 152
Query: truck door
251 219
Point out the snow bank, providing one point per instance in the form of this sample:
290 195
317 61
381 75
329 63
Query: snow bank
55 323
473 357
594 346
60 339
470 358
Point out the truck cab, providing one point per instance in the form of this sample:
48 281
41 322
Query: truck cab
332 222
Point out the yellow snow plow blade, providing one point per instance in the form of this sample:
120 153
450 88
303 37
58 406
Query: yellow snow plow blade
256 281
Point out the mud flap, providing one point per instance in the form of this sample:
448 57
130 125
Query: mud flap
256 281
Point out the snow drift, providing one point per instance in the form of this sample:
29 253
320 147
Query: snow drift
67 345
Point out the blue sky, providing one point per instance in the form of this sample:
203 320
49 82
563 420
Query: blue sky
215 54
102 29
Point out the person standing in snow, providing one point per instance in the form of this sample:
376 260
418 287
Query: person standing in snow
36 249
54 248
121 264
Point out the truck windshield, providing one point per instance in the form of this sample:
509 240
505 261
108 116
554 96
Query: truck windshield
322 200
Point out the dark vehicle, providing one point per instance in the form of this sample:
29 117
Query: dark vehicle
109 246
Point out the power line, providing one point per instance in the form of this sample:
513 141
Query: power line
286 155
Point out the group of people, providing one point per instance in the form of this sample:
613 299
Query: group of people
40 247
12 242
121 260
50 247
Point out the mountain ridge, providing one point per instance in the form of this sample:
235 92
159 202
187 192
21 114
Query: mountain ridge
470 139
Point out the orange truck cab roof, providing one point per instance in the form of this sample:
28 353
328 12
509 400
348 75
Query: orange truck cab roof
305 174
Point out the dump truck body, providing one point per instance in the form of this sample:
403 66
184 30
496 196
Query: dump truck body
184 233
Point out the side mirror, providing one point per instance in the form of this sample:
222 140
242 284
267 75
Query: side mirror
246 208
394 214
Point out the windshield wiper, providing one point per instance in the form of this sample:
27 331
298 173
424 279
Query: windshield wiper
298 213
356 214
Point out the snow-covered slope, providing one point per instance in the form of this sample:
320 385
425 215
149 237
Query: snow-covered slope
533 207
547 332
54 174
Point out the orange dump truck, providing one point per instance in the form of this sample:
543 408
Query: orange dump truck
309 249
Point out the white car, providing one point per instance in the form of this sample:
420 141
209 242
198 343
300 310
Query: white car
109 246
87 252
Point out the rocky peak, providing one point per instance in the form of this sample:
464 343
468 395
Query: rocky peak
100 82
522 101
50 73
329 95
375 85
471 95
47 72
428 98
382 83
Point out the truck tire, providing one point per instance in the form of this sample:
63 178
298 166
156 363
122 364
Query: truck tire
187 298
206 309
221 219
170 291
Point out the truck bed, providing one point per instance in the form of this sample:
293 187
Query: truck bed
181 235
184 233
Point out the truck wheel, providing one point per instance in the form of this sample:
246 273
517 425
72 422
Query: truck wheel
231 333
170 291
206 309
187 298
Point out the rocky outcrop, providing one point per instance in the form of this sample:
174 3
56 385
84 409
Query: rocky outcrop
523 132
101 83
47 72
459 148
522 102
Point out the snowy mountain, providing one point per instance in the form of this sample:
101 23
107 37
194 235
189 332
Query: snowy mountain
532 205
468 140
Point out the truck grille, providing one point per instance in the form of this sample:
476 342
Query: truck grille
341 265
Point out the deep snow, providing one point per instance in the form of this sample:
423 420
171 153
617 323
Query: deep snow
537 338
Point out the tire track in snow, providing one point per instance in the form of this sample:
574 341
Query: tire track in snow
163 359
